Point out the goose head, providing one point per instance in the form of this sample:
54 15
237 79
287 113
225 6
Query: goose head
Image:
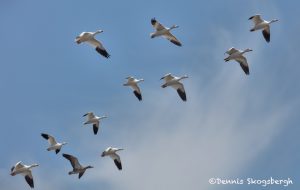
88 167
102 117
174 26
247 50
33 165
98 32
274 20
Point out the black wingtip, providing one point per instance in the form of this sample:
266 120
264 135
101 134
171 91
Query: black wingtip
118 164
138 95
95 129
176 43
103 52
266 35
29 181
182 95
153 21
57 151
45 135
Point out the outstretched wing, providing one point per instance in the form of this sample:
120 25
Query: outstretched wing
173 39
157 25
243 63
256 19
180 90
96 127
29 179
266 33
117 160
50 138
73 160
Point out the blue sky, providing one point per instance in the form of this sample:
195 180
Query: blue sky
232 126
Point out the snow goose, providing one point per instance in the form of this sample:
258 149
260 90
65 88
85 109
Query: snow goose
77 168
237 55
111 152
133 83
164 31
52 142
89 37
20 168
93 119
260 24
173 81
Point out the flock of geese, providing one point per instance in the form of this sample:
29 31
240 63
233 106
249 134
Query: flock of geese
170 80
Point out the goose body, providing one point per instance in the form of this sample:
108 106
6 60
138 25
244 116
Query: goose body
53 145
111 152
89 37
175 83
260 24
93 119
237 55
133 83
164 31
77 167
24 170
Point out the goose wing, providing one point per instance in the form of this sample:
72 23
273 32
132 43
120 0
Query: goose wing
137 91
99 47
17 166
73 160
172 39
157 25
266 33
168 78
180 90
96 127
90 115
50 139
243 63
231 51
117 160
256 19
29 179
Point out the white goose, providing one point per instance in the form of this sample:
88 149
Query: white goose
111 152
164 31
77 168
237 55
133 83
52 142
89 37
173 81
93 119
260 24
19 168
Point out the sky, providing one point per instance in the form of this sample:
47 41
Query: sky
232 125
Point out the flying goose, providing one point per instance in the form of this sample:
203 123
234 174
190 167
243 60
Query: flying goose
260 24
173 81
133 83
89 37
77 168
237 55
52 142
95 120
19 168
111 152
164 31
